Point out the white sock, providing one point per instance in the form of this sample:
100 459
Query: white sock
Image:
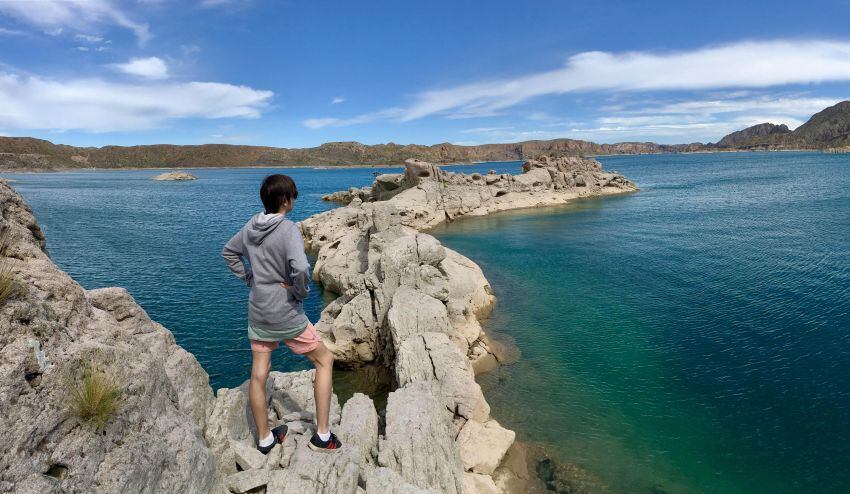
268 441
324 436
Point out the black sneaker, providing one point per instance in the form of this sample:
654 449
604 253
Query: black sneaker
279 434
332 444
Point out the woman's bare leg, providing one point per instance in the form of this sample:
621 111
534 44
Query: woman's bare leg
323 359
257 392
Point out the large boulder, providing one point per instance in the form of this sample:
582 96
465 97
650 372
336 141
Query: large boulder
418 441
482 446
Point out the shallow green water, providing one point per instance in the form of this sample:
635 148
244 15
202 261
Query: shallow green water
693 337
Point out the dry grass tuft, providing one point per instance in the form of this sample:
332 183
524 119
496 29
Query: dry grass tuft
8 285
96 396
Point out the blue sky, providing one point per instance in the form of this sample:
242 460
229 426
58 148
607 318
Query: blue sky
297 74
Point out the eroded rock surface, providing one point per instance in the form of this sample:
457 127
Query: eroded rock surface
412 305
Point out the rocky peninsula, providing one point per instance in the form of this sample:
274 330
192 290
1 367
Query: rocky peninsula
405 304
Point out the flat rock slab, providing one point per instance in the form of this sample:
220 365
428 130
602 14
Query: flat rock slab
482 446
245 481
247 456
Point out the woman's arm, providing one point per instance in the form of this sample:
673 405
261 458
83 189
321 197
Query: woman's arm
299 267
233 253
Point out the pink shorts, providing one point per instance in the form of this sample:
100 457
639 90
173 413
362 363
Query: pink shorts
306 342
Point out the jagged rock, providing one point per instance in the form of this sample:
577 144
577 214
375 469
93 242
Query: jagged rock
413 312
385 481
288 450
272 459
247 455
292 392
338 472
433 357
301 415
299 427
474 483
387 185
427 279
227 422
482 359
349 328
359 424
467 284
482 446
241 482
418 441
537 178
36 484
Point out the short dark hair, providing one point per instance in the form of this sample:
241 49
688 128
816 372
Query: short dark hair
276 190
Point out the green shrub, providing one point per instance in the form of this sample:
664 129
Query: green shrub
96 395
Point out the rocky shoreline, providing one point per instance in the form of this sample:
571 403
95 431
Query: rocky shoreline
405 304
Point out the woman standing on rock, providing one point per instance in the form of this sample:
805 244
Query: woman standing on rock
279 277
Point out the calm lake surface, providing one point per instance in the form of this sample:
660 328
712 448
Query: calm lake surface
692 337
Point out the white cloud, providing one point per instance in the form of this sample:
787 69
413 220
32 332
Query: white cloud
337 100
765 104
746 64
10 32
484 130
218 3
53 16
149 68
317 123
88 38
751 64
715 117
31 102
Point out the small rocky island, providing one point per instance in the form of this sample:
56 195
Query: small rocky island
405 304
171 176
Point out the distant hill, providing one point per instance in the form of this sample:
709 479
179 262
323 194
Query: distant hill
827 129
752 134
26 153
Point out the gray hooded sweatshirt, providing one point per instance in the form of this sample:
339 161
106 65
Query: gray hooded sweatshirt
275 251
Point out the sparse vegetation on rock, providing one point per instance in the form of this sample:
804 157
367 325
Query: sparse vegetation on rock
8 285
95 394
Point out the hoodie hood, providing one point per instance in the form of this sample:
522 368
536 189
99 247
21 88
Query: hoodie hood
262 225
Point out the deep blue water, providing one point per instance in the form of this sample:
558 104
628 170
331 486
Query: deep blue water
692 337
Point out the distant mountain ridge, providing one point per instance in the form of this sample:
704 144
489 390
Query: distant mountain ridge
827 129
26 153
748 135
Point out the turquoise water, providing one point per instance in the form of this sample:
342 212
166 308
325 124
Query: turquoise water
692 337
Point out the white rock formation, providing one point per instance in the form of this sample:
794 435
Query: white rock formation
172 176
409 303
